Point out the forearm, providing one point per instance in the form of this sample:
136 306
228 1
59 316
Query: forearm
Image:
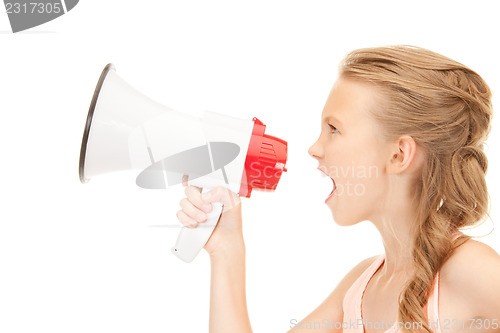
228 304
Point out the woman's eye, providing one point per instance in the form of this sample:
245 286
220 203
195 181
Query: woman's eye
333 128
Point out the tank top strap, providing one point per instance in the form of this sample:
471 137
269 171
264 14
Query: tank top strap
353 298
433 300
432 306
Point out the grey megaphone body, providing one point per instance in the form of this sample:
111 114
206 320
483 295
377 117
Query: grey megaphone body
126 130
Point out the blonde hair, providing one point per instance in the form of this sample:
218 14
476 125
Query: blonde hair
446 108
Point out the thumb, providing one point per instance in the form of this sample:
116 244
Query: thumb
223 195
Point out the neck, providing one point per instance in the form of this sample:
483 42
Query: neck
395 226
398 244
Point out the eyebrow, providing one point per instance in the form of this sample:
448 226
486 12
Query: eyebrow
326 119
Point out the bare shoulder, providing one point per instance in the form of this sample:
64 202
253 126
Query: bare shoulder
338 294
471 261
331 308
355 272
471 275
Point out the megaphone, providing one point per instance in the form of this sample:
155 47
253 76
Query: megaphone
126 130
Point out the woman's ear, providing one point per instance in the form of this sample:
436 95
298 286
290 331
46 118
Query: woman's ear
404 155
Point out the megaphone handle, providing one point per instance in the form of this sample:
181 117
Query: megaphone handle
190 241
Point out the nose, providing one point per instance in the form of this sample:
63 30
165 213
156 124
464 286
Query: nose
315 150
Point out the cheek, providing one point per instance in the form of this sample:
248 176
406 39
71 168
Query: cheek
356 165
360 182
358 174
368 177
369 158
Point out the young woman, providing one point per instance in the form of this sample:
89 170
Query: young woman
415 121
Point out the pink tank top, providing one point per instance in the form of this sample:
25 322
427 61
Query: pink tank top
353 319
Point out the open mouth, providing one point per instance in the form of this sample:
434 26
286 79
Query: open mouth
334 185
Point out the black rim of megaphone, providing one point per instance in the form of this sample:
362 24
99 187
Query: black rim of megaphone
90 115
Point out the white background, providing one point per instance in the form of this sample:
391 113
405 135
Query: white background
87 258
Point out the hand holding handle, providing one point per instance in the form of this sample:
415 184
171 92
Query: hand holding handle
191 240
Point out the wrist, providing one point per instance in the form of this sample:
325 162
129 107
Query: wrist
229 251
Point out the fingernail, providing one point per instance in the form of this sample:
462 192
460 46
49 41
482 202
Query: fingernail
201 217
193 225
207 207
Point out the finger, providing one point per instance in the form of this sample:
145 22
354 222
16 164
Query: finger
221 194
193 193
193 212
186 220
185 180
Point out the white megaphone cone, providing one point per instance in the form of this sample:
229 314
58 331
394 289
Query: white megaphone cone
126 130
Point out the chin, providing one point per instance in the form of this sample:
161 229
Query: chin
344 215
345 220
348 211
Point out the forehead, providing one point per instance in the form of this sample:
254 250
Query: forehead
350 100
